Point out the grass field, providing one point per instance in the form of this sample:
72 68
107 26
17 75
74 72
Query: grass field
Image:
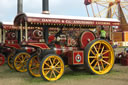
118 76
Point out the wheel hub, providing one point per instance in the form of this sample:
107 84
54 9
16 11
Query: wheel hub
52 67
99 57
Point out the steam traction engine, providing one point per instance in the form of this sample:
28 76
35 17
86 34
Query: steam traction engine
8 40
2 57
66 40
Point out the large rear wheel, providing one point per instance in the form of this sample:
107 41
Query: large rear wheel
20 61
99 57
33 66
51 67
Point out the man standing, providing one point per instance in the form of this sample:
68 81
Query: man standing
102 33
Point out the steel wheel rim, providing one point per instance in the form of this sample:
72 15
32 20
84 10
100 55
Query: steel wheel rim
34 66
20 62
52 69
10 61
97 59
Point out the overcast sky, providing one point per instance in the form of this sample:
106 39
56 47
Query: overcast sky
8 8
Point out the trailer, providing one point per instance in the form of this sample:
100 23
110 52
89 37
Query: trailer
67 40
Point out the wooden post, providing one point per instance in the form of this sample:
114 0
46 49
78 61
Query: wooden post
0 35
26 32
21 32
4 36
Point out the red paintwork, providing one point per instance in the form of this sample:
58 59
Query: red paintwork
87 2
17 46
75 57
124 61
2 59
51 38
84 38
58 49
40 45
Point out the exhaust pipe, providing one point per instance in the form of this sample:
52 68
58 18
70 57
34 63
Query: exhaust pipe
19 6
45 7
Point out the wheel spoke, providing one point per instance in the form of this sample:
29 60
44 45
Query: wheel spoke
92 61
95 49
105 57
22 56
47 72
19 58
50 74
46 68
106 62
47 64
34 67
57 63
102 50
57 71
99 66
54 61
51 61
92 56
102 65
106 52
20 66
58 67
95 65
17 61
54 74
92 52
99 47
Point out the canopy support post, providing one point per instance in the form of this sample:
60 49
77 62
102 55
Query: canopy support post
26 32
46 32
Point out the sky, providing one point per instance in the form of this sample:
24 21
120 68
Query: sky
8 8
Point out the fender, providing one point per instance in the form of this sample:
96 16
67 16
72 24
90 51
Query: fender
40 45
17 46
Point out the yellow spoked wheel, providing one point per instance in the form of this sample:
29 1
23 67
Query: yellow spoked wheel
20 61
10 61
33 66
99 56
51 67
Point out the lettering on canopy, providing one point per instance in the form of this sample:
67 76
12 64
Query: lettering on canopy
69 21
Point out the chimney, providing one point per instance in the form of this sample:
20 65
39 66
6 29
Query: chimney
19 6
45 7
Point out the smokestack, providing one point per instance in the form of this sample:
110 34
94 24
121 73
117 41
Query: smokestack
19 6
45 7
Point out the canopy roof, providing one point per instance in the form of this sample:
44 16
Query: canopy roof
7 25
63 20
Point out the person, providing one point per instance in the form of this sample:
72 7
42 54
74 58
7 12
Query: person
102 33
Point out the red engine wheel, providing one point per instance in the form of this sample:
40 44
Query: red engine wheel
86 37
2 59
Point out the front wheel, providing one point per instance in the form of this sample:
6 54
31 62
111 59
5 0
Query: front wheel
20 61
99 57
33 66
2 59
51 67
10 61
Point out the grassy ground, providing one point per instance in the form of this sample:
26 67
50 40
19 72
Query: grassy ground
118 76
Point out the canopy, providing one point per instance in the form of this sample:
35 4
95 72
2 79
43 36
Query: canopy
7 25
32 18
